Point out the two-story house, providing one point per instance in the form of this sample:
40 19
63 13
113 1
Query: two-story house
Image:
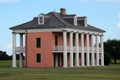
58 40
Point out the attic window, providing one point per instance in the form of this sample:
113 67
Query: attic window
40 19
75 20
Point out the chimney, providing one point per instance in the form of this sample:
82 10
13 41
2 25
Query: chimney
62 11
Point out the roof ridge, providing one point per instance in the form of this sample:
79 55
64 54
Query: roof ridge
57 18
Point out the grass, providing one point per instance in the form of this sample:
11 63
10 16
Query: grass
111 72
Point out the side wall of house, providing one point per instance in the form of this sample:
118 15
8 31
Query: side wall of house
47 58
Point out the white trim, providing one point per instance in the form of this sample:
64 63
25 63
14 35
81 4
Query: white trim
85 22
75 20
57 30
39 20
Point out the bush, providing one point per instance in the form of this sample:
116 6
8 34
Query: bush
107 59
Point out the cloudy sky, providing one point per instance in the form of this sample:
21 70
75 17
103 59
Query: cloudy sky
104 14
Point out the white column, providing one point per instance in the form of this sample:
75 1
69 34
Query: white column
82 47
102 50
77 51
93 54
13 50
71 49
64 48
97 50
21 53
88 54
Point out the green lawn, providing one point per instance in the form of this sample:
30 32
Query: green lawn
111 72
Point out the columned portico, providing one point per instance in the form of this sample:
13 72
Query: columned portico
13 50
21 52
17 50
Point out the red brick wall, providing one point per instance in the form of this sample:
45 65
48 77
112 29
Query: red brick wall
47 59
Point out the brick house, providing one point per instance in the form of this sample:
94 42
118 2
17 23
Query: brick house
58 40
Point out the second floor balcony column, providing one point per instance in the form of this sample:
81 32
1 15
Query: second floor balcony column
82 48
93 53
14 50
97 51
65 48
102 50
21 51
71 49
88 56
77 50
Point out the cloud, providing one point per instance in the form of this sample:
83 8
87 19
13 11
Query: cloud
119 20
119 15
119 24
8 1
9 46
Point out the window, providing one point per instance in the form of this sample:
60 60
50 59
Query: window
56 40
40 19
38 42
38 58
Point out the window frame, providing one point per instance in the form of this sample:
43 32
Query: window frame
40 19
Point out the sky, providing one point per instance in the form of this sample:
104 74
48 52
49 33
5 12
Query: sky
104 14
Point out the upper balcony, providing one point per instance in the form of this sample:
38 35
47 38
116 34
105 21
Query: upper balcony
60 49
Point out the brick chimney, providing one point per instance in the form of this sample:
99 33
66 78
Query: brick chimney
62 11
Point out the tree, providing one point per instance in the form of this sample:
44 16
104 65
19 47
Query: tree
112 47
107 59
4 56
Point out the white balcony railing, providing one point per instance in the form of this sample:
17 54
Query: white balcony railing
60 49
20 50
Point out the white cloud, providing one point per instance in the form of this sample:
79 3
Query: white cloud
119 15
8 1
119 24
9 46
119 20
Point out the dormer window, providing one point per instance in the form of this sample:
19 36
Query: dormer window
40 19
82 21
75 20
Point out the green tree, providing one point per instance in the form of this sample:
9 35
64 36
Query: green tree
112 47
4 56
